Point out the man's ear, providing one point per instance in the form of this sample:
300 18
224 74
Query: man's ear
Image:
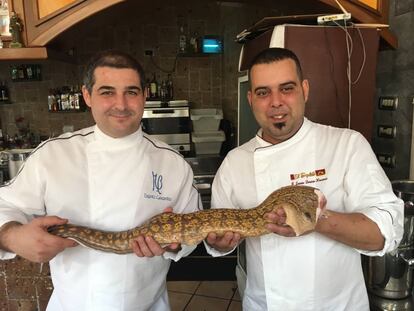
249 98
86 96
305 88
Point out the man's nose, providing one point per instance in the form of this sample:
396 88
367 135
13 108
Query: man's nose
276 99
121 101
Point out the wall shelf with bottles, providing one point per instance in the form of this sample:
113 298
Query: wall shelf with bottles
26 72
66 99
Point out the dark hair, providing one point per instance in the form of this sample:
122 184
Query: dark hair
114 59
271 55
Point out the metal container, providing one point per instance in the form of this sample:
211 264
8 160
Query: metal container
404 189
15 157
381 304
391 276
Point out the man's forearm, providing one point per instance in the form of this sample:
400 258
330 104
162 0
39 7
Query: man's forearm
355 230
5 235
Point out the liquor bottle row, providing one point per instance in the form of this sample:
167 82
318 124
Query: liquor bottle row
159 89
67 98
28 72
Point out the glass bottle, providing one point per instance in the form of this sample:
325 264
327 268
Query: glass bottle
182 41
51 100
78 97
148 89
154 87
64 98
14 73
72 97
58 100
170 87
4 92
164 91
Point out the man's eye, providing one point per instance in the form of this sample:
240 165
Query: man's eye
133 93
287 89
262 93
107 93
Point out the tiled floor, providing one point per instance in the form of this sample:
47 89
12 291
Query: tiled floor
204 296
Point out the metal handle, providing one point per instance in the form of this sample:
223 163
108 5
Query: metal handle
408 208
408 204
162 113
409 261
203 186
203 176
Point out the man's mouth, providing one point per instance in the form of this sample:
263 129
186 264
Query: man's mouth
119 114
278 117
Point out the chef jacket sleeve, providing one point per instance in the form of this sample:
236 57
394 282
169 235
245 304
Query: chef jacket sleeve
189 201
369 191
22 197
220 197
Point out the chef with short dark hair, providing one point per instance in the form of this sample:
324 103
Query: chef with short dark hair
321 269
110 176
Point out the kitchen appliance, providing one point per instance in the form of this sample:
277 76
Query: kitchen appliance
169 122
199 265
391 276
204 169
15 159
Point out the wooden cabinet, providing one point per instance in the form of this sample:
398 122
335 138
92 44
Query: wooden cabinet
45 19
47 8
369 12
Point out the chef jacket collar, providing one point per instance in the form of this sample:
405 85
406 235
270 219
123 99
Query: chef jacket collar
262 145
125 141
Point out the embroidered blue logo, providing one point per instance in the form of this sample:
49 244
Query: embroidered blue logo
156 182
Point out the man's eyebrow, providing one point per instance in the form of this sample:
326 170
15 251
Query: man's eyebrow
261 88
106 87
133 87
130 87
288 83
284 84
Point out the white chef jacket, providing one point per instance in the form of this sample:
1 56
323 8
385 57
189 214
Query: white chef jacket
111 184
310 272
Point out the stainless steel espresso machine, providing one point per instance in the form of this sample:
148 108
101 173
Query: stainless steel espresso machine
389 278
169 122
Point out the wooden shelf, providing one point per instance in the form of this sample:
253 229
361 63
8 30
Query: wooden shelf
23 53
39 53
